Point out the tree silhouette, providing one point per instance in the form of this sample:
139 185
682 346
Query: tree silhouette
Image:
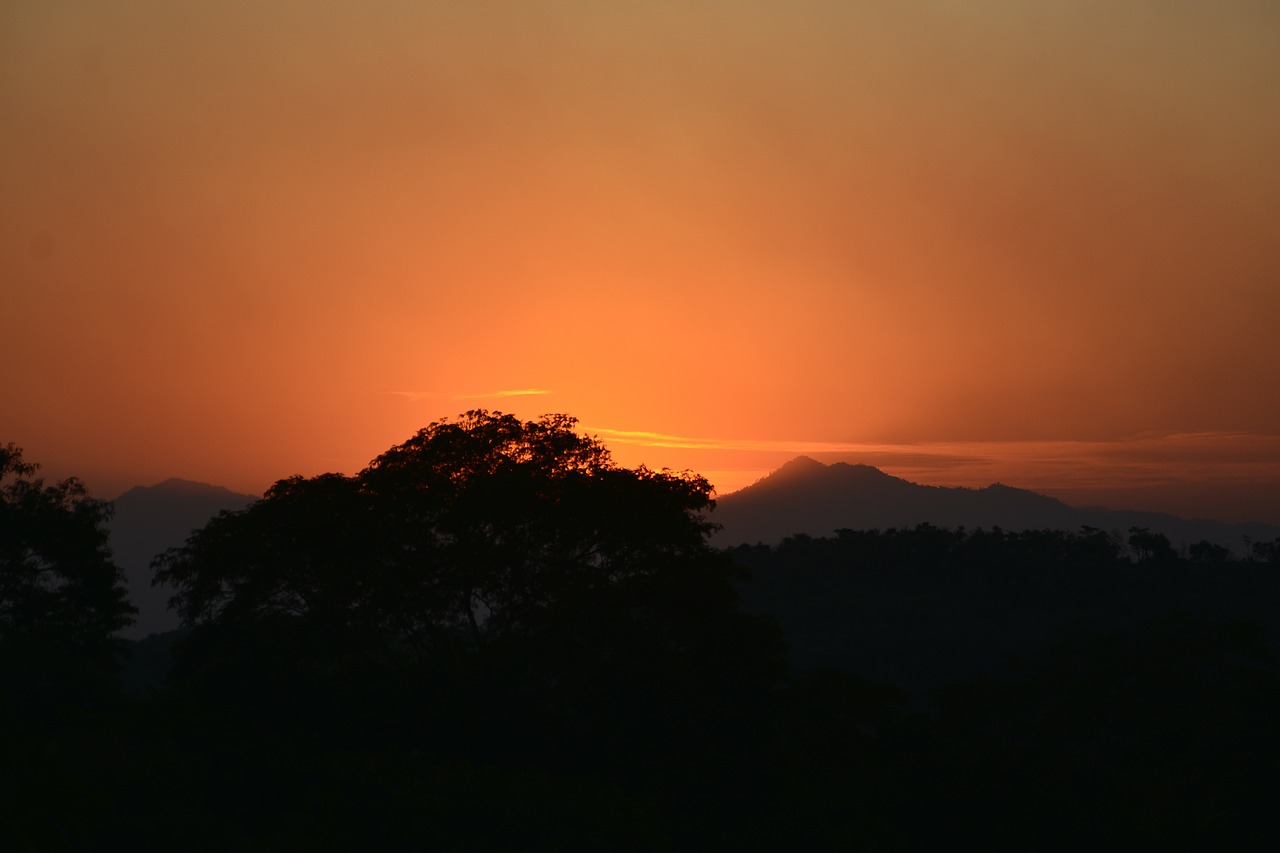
1150 546
1266 552
1208 552
62 599
506 571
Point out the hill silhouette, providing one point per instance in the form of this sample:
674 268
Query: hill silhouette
808 497
151 519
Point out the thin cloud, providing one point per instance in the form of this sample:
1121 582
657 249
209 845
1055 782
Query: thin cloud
414 395
1025 447
517 392
1145 458
682 442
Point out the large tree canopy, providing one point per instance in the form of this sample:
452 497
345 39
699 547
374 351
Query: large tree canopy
482 545
467 532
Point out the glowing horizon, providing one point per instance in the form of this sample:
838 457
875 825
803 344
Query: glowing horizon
244 242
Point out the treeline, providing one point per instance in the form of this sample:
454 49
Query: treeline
923 606
927 545
1054 689
493 638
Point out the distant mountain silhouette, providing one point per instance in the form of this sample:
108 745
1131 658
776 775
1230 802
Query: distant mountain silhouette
805 496
152 519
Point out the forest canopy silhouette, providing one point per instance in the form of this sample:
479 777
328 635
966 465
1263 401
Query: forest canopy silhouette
62 599
493 637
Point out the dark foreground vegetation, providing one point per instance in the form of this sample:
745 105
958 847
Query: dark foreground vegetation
494 638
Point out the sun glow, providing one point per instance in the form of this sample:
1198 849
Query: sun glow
1010 234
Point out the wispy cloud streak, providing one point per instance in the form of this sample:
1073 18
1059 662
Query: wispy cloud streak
658 439
517 392
1148 458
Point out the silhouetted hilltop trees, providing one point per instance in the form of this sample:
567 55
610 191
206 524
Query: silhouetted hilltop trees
513 553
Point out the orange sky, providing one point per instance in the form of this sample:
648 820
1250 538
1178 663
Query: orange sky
1033 242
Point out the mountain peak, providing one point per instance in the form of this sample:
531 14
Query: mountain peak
805 474
858 469
798 470
178 487
150 519
805 496
807 465
800 465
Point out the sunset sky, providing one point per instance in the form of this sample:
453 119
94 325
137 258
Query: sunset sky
1033 241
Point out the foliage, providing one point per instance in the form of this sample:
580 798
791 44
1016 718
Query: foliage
1266 552
62 599
1205 551
504 574
1149 546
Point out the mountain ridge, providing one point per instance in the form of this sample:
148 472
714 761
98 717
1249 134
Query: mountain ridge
179 486
807 497
149 520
